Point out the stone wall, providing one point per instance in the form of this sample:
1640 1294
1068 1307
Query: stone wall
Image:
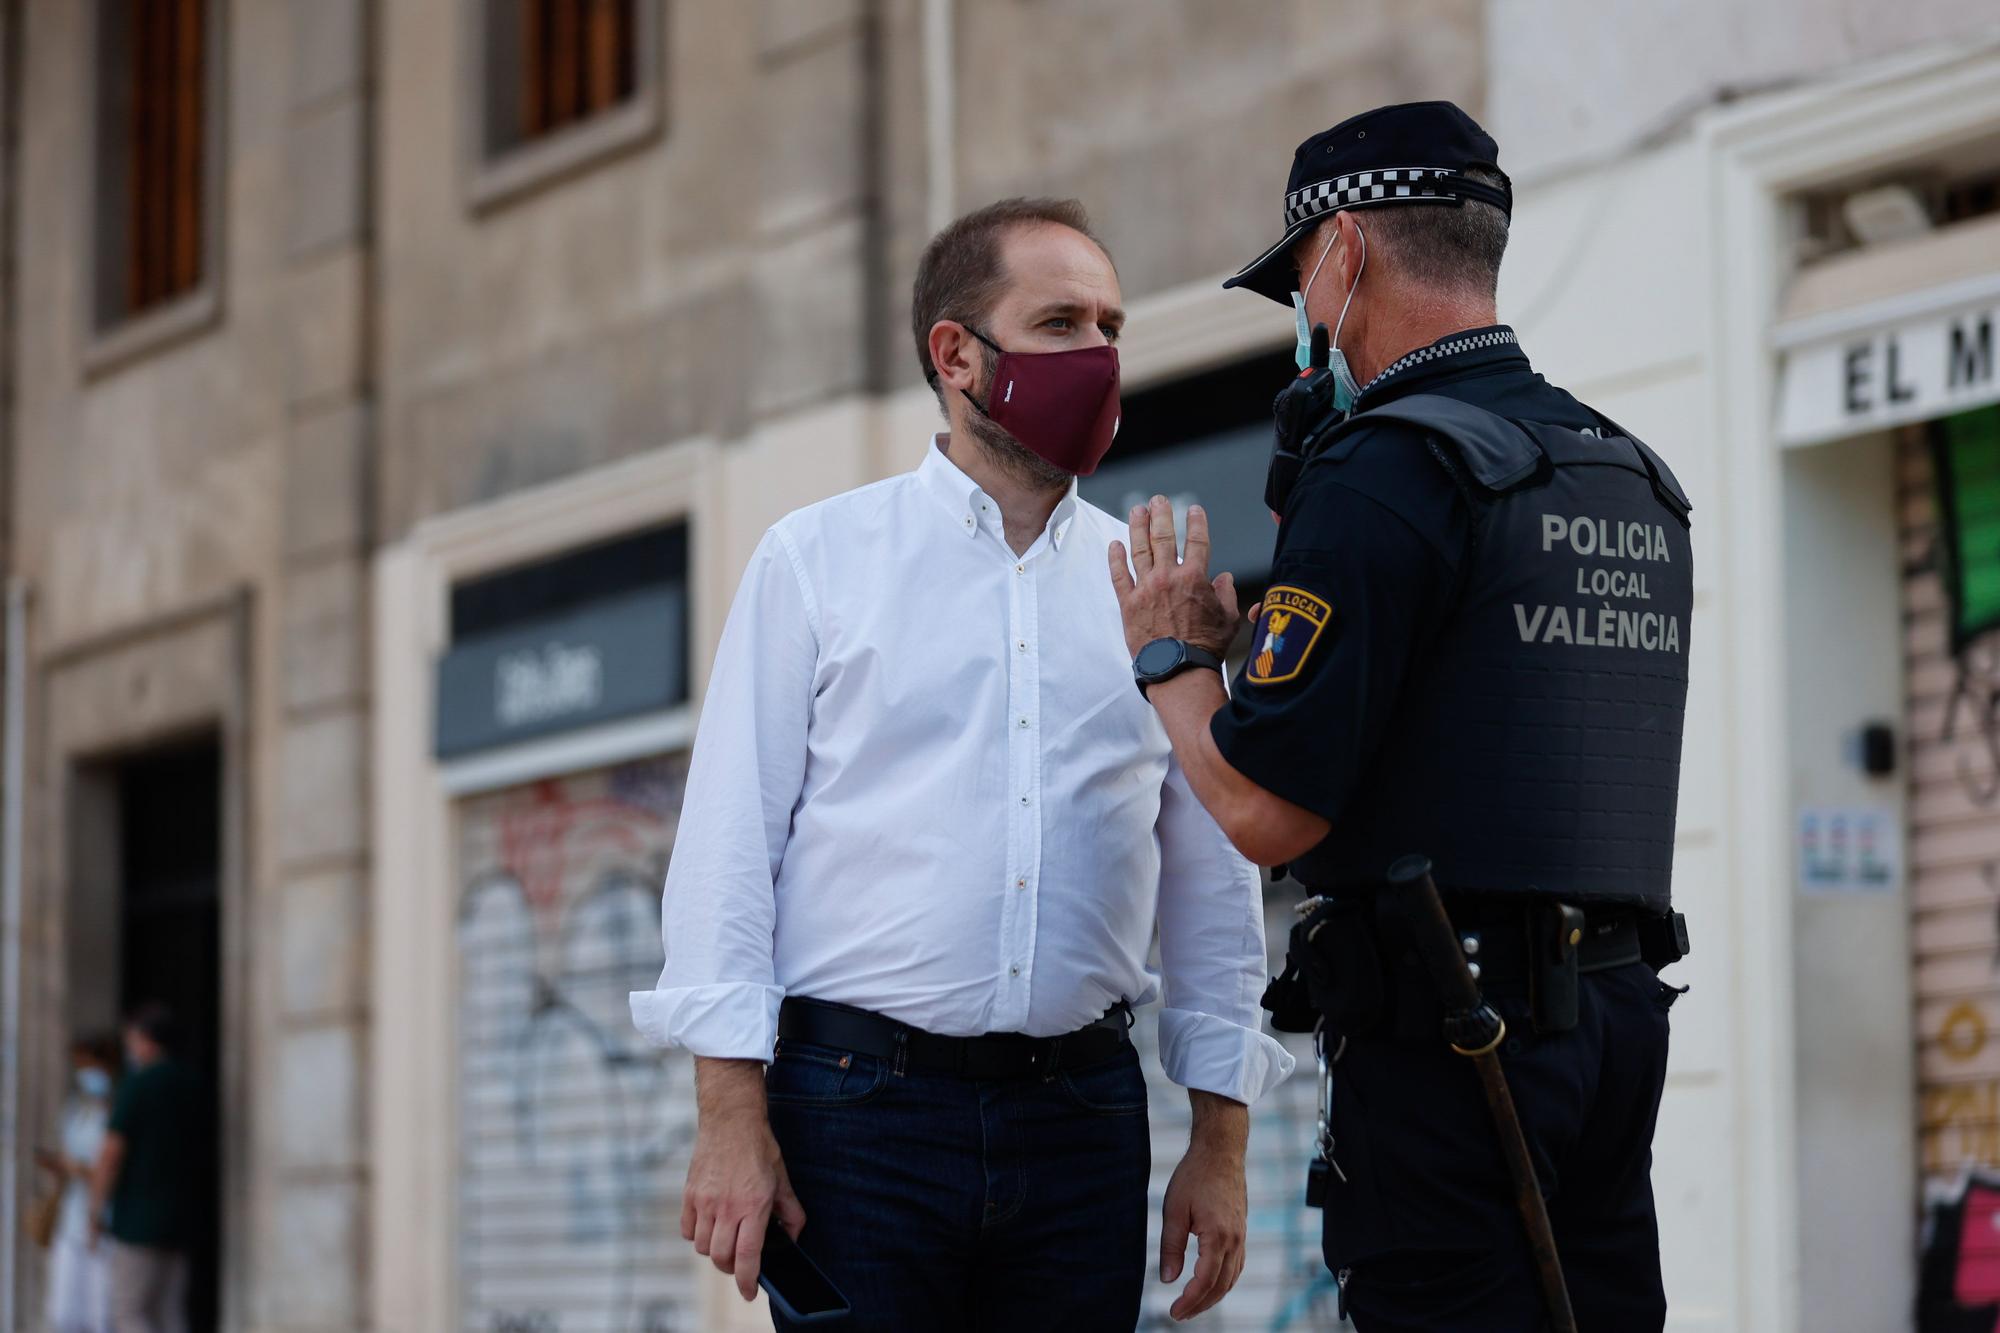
1175 122
224 471
705 278
390 345
754 259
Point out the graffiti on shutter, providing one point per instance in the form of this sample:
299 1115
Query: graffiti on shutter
1953 717
573 1133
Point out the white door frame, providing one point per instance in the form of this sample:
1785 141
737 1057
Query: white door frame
413 1126
1758 156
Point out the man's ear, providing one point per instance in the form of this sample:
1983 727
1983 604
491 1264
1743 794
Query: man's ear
955 355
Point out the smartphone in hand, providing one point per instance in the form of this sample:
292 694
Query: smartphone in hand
795 1284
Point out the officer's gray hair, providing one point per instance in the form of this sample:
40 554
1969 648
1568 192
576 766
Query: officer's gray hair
1453 250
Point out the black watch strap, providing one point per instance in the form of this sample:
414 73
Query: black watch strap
1190 656
1201 657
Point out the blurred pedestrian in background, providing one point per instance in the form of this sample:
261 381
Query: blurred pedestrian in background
145 1174
79 1288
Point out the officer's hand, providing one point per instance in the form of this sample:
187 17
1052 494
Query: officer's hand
1172 596
737 1178
1206 1197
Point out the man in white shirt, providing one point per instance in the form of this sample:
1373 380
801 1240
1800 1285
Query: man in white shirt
929 828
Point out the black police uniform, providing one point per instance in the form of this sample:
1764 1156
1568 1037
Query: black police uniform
1479 654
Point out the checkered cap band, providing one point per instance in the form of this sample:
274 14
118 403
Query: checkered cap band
1368 187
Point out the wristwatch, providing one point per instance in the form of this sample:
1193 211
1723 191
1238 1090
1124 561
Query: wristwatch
1163 659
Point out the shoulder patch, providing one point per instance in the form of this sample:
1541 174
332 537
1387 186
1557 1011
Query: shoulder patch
1287 629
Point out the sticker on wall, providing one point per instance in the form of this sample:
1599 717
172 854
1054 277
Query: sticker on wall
1850 849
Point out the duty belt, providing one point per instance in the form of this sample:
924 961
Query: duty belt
993 1056
1355 964
1504 956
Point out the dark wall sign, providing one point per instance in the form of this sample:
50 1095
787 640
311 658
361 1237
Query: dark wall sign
606 659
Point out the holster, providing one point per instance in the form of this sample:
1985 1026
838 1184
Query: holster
1663 939
1333 971
1554 932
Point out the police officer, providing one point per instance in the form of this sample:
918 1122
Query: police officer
1474 647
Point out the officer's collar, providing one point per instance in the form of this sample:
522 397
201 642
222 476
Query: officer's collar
1448 357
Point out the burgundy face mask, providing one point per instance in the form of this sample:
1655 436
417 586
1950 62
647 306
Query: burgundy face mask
1062 406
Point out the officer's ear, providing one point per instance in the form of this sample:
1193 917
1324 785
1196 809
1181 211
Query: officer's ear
955 355
1351 248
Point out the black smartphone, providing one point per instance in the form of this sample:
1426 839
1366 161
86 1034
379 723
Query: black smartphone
794 1283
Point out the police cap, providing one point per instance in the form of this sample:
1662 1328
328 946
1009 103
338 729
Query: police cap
1411 153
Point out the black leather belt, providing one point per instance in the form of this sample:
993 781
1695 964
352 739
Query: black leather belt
996 1055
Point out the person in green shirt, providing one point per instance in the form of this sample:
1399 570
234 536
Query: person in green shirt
145 1181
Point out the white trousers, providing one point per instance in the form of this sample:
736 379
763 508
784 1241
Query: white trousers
79 1286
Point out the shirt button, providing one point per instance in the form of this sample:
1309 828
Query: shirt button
1024 800
968 520
1021 883
1020 569
1022 646
1024 721
1014 971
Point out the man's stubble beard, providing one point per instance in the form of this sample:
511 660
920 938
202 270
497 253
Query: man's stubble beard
1017 460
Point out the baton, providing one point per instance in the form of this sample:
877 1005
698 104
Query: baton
1474 1030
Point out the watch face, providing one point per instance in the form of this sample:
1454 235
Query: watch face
1158 656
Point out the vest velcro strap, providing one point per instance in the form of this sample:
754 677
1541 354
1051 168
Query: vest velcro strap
1495 452
1665 484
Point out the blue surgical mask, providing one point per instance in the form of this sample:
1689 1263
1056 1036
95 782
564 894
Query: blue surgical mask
1345 390
93 1082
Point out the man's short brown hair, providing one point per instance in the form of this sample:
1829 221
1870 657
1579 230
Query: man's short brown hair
962 272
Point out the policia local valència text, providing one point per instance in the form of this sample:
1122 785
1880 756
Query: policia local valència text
1599 539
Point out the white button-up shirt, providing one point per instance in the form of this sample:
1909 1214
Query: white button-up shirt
924 785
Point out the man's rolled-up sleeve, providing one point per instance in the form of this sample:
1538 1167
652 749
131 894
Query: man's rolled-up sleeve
1212 958
717 995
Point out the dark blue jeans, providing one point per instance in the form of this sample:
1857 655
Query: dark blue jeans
936 1202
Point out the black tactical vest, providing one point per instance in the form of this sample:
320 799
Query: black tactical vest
1536 745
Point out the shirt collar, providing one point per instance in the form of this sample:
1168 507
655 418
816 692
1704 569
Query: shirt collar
970 507
1456 354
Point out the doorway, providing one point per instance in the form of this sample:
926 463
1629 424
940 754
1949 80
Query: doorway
157 816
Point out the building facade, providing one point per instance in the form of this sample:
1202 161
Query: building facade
1777 264
188 202
699 331
397 390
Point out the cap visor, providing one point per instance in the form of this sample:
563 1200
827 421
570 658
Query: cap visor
1270 274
